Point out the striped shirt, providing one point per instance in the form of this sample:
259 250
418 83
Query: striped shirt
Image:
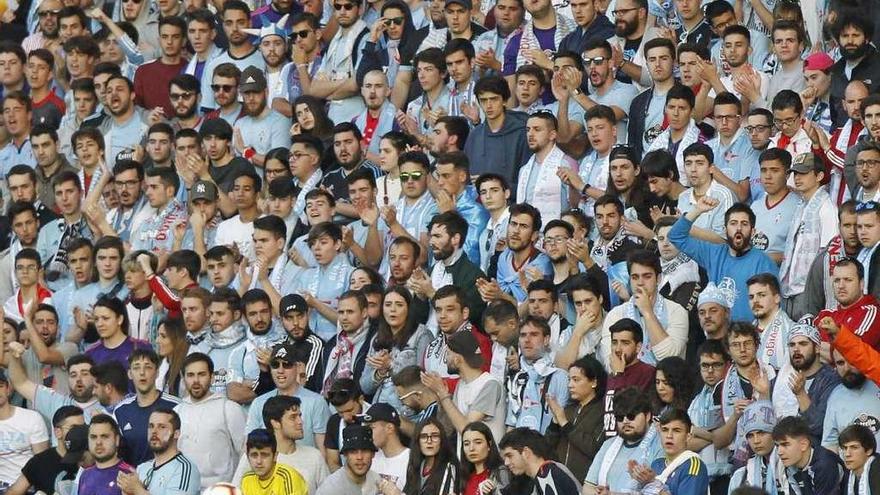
176 476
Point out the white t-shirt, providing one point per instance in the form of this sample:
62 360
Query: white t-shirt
234 231
392 468
23 429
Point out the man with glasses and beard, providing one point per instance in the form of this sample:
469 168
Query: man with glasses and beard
803 389
735 259
860 61
236 18
170 471
46 35
184 93
855 401
637 440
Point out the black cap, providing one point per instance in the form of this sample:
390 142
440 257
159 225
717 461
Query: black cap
203 190
77 443
292 302
252 79
381 412
464 3
357 437
216 127
283 352
463 342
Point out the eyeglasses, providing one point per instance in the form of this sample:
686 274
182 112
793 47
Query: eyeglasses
128 183
407 176
756 128
867 163
785 122
555 240
712 366
397 21
46 13
300 34
629 417
727 118
747 344
281 364
346 6
434 437
622 12
226 88
181 96
595 60
298 155
26 268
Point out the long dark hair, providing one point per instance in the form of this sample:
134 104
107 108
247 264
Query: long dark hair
493 462
639 193
176 332
680 377
409 39
385 337
445 457
323 125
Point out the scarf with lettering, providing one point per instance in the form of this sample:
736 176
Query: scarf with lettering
337 61
773 349
679 271
804 237
340 361
299 207
549 193
691 135
646 355
601 254
529 41
614 449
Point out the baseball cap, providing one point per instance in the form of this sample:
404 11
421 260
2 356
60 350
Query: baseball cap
464 343
292 302
357 437
381 412
818 61
252 79
77 443
464 3
283 352
806 162
203 190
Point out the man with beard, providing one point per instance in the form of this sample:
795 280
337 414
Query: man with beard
605 89
819 290
170 470
261 128
735 259
804 388
273 48
126 127
224 87
133 413
759 471
184 96
151 81
855 309
296 76
45 359
236 17
211 424
285 366
410 215
355 476
21 181
610 250
50 162
46 35
635 440
736 52
860 61
539 180
104 443
379 117
350 157
512 269
770 319
294 313
262 334
222 167
855 401
868 169
128 178
713 308
631 32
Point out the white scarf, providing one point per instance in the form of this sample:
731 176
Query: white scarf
14 249
691 136
593 170
337 62
299 207
679 271
529 41
754 468
276 278
549 193
614 449
803 241
864 486
785 403
773 349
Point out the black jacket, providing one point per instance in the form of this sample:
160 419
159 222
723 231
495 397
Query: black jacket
868 71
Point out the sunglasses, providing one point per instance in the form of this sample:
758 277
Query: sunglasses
300 34
225 88
407 176
180 96
595 60
397 21
281 364
46 13
344 6
629 417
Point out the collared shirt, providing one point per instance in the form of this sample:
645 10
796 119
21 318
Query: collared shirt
12 155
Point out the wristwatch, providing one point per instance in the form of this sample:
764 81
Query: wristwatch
576 92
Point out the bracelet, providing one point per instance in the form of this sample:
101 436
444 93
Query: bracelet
584 189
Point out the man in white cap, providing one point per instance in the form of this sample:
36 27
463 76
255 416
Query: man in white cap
713 308
273 48
803 388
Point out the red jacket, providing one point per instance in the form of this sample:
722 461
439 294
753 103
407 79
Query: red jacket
861 317
166 296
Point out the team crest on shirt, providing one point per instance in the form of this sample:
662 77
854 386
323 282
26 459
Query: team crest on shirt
867 420
760 240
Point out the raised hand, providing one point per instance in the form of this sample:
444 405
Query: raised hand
706 203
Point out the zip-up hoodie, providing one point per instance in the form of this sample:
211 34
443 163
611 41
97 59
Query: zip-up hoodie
212 435
502 152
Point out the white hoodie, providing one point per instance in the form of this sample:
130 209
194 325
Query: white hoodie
212 435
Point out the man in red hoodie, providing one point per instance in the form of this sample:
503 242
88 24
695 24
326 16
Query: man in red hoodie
181 271
856 310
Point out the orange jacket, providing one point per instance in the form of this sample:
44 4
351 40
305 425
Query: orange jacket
858 353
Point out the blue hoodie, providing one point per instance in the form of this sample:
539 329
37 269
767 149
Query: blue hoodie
501 152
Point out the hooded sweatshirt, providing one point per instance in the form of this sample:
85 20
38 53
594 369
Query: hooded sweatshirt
501 152
147 24
218 346
212 435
